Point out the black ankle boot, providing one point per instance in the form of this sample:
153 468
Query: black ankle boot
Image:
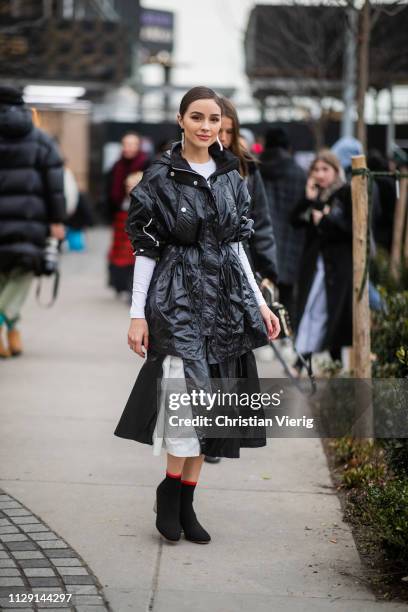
193 531
168 508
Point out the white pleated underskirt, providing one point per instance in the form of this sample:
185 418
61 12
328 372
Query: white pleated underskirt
185 446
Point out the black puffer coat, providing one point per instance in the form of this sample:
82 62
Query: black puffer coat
198 288
200 306
31 189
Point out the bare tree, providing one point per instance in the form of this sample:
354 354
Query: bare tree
301 47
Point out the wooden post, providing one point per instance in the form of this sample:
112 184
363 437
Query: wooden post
363 69
398 232
361 311
361 356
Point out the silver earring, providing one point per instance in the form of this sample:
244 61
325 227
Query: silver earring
220 143
182 139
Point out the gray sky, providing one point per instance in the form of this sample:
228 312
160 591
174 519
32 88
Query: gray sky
208 41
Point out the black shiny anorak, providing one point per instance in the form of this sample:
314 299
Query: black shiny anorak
198 287
200 305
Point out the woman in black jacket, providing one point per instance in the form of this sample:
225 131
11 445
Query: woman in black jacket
196 309
262 244
324 306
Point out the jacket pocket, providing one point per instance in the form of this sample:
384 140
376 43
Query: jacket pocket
186 219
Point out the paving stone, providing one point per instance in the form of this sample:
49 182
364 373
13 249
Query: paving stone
8 529
3 554
21 606
60 553
47 605
5 505
9 571
7 591
28 545
87 600
44 582
4 522
50 535
52 544
21 609
67 562
79 580
36 572
7 563
4 496
35 563
16 512
73 571
34 528
11 581
96 608
53 604
47 590
82 589
13 537
24 520
28 554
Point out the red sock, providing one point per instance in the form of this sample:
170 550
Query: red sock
170 475
189 482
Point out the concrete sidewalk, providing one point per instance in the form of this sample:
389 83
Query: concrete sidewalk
278 539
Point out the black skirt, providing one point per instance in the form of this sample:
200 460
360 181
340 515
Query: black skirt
139 417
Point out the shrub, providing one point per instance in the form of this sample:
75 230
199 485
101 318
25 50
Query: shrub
387 510
390 337
397 455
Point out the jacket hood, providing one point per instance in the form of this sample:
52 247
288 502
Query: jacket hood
15 121
274 163
224 159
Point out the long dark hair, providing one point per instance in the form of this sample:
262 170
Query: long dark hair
229 110
198 93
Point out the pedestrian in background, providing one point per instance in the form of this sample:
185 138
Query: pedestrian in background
120 256
285 184
32 207
344 149
324 306
383 216
262 245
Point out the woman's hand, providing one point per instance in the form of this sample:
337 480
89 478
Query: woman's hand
312 191
317 215
138 336
271 322
57 230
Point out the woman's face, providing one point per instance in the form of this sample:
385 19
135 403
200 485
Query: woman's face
130 146
201 123
226 132
323 174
